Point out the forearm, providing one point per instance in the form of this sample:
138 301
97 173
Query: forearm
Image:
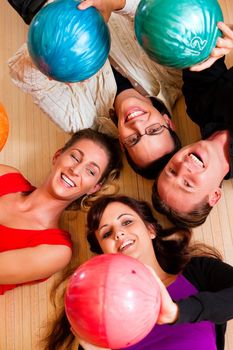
196 80
33 263
213 301
202 89
129 9
11 272
215 307
27 9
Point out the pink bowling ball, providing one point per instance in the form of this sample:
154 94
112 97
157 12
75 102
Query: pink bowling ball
112 301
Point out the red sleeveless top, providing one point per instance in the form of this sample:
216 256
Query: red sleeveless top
13 238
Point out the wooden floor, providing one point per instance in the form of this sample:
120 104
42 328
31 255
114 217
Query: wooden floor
24 312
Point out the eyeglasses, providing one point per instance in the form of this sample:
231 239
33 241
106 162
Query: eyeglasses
154 129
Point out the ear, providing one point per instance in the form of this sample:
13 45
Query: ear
96 188
56 155
151 232
214 197
169 122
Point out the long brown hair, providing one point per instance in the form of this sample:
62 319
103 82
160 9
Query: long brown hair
59 335
171 245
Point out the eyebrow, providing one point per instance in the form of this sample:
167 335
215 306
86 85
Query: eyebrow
105 225
83 155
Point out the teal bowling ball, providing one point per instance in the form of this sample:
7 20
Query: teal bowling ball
68 44
178 33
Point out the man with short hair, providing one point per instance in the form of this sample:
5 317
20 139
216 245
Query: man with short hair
190 184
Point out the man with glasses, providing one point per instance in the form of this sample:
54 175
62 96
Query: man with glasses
89 103
146 131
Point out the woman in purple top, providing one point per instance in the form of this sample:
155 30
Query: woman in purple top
196 286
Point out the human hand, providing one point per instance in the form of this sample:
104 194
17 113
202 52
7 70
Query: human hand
88 346
106 7
168 310
85 345
223 46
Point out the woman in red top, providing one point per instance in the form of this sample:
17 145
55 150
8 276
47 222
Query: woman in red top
32 247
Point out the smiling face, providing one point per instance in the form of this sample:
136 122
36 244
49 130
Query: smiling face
78 170
136 113
121 230
193 175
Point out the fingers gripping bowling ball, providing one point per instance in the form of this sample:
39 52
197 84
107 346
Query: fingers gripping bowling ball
68 44
112 301
178 33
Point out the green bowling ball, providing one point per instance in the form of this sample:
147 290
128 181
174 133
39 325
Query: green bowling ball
178 33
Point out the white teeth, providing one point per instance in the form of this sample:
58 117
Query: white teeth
196 160
134 114
126 243
68 181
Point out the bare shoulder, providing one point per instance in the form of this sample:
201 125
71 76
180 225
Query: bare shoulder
5 169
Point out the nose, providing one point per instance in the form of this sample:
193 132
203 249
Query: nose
183 167
140 127
76 169
119 235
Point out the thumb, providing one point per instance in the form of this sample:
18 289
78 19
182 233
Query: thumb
85 4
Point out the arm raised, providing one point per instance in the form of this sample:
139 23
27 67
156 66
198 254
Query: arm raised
223 46
106 7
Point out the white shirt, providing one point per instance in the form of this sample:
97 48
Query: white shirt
85 104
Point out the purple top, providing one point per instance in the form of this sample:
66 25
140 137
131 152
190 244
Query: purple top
191 336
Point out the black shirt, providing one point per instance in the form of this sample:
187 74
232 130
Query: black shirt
27 8
214 302
209 100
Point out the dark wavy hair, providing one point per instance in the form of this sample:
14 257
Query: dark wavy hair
172 248
152 170
170 245
192 219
